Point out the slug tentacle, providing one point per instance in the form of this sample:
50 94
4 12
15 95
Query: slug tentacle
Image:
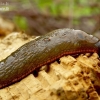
44 50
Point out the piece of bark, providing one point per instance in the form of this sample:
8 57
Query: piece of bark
70 79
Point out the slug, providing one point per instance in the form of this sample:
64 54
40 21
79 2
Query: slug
44 50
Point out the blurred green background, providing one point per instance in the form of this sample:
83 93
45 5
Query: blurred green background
41 16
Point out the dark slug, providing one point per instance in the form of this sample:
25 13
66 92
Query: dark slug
44 50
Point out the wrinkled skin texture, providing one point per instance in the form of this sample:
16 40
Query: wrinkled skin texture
44 50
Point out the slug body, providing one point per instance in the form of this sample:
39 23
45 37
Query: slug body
44 50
